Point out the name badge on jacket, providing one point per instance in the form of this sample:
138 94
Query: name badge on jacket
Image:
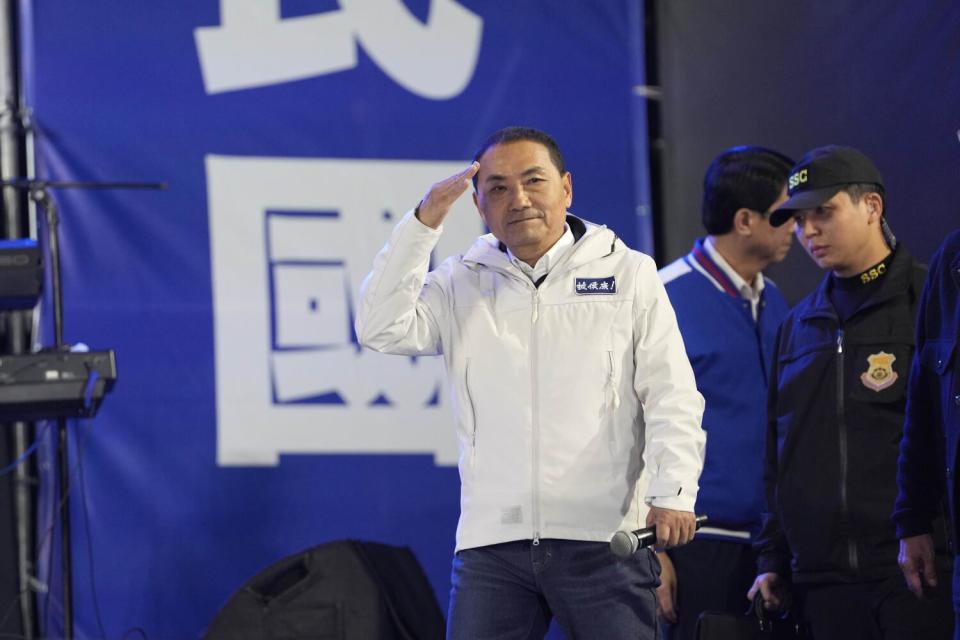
592 286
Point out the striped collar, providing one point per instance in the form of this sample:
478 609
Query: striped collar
699 257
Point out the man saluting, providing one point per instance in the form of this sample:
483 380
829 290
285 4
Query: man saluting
568 377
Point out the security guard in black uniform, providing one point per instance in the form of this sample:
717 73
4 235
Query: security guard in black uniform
835 415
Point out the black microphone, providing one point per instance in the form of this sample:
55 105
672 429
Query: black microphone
624 544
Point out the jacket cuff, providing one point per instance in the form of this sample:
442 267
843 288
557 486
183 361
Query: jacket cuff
773 563
659 488
909 527
669 494
411 218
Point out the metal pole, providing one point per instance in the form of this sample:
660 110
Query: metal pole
12 147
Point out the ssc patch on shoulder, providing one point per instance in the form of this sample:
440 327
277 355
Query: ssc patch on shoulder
595 286
879 374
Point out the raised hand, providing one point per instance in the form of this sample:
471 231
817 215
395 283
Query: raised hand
436 204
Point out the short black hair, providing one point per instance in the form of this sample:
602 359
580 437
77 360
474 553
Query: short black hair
517 134
856 191
743 177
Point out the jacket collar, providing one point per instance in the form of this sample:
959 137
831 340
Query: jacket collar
897 281
591 241
700 256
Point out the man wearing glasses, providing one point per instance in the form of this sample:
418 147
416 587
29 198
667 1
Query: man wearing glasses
728 314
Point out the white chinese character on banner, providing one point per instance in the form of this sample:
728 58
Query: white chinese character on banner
291 240
254 47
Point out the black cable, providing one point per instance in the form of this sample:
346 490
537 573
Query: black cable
10 468
76 471
139 630
81 444
54 521
57 504
48 537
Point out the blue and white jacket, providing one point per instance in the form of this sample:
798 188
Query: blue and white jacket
730 354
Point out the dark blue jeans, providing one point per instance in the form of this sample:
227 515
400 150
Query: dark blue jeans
513 590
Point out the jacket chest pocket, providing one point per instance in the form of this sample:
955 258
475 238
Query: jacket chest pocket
939 357
878 373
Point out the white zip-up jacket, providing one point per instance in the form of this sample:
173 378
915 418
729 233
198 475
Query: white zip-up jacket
561 394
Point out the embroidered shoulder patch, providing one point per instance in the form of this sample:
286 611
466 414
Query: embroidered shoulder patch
587 286
879 374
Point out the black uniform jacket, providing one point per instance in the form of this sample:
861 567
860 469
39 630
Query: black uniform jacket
835 417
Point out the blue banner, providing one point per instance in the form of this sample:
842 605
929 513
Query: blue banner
246 423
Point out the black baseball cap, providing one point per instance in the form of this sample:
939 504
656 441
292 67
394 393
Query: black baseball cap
821 174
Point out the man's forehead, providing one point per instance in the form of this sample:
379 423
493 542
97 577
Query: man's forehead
516 158
497 174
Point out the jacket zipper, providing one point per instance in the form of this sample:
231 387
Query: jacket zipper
535 420
535 414
473 414
844 462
